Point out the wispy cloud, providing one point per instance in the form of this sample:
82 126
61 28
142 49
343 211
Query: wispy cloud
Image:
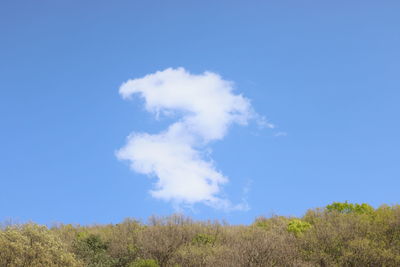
280 134
206 105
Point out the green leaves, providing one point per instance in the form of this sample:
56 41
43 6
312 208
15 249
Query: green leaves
92 250
298 227
203 239
345 207
144 263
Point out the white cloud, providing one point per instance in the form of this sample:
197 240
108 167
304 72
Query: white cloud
207 107
279 134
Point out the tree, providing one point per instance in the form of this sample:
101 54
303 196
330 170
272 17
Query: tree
31 245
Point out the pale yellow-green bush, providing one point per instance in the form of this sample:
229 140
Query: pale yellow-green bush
31 245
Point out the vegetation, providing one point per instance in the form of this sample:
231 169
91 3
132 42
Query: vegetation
341 234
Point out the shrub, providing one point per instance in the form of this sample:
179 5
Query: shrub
345 207
34 246
203 239
144 263
92 250
298 227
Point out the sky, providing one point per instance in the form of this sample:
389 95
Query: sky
225 110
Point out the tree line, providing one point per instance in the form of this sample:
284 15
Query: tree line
340 234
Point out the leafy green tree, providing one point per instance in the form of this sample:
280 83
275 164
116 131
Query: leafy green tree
345 207
92 250
298 227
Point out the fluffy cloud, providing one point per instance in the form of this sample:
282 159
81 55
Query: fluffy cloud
206 106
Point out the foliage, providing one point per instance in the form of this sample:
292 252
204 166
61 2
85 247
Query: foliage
340 234
345 207
203 239
262 223
298 227
144 263
92 250
34 246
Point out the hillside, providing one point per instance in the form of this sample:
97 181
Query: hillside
340 234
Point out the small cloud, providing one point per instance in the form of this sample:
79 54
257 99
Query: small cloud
264 123
280 134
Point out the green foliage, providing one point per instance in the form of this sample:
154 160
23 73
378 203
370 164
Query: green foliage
345 207
92 250
144 263
92 243
269 224
262 223
203 239
298 227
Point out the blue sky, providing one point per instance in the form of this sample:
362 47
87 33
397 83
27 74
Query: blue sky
324 73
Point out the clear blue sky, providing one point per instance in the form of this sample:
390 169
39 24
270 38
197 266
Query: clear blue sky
326 73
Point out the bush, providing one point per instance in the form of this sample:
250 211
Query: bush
34 246
144 263
92 250
345 207
298 227
203 239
